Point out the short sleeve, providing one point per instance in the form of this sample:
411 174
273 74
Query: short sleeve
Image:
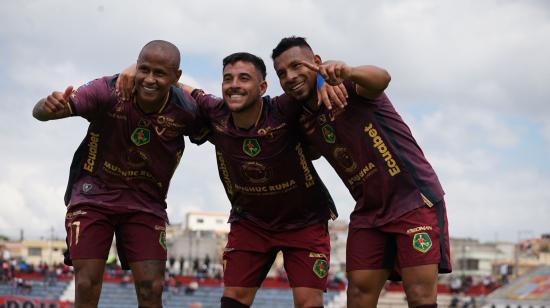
288 107
93 98
208 107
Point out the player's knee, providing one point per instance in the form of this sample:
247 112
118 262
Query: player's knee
157 288
242 295
313 300
150 291
87 284
420 294
362 289
362 295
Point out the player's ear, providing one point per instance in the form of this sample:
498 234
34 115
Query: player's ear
178 75
263 87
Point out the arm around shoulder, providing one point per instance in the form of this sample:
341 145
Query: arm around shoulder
371 80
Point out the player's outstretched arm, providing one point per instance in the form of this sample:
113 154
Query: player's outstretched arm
371 80
55 106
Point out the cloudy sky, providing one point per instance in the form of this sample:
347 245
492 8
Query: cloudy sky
471 78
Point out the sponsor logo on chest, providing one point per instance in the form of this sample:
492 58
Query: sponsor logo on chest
380 145
93 146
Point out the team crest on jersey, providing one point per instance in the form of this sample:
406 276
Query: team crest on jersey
141 136
251 147
329 134
162 239
422 242
320 268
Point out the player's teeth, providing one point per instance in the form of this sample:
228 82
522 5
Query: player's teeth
297 86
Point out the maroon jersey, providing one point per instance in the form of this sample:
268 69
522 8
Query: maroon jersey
375 155
265 172
128 156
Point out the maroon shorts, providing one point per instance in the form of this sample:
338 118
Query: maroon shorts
251 250
419 237
140 235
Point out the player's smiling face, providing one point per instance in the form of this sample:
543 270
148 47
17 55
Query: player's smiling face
298 81
155 74
242 86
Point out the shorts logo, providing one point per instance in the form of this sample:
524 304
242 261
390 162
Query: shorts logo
162 239
86 187
251 147
141 136
74 214
317 255
418 229
320 268
329 134
422 242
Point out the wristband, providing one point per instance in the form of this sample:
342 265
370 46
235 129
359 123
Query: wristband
320 81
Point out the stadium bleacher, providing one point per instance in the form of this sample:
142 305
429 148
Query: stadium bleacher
117 295
37 289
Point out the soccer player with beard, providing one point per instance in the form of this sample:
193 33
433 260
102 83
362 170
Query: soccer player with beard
278 201
399 221
120 174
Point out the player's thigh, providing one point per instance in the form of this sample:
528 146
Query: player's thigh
88 272
370 257
148 270
418 238
89 233
307 258
248 255
88 281
142 236
421 242
246 269
370 249
149 280
307 268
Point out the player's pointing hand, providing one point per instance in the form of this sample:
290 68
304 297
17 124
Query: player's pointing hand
328 93
334 72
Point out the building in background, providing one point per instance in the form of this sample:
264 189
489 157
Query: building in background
196 245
